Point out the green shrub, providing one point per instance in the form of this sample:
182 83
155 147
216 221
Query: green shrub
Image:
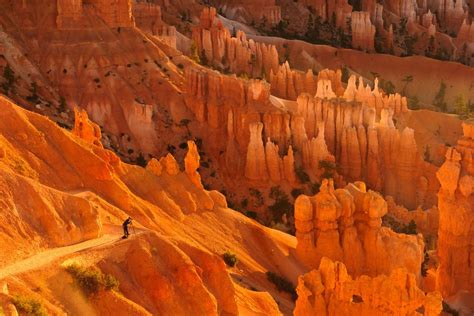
251 214
282 203
258 196
141 161
91 280
230 259
314 188
29 306
111 283
329 168
409 229
282 284
302 175
449 310
296 192
9 76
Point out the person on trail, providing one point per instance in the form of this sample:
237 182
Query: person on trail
125 225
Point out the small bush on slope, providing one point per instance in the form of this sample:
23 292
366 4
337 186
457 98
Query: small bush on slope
29 306
282 284
230 258
91 280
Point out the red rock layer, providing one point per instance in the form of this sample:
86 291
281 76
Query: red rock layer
115 13
456 208
345 225
331 291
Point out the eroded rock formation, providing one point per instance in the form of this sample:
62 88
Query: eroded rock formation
345 225
148 17
235 53
260 12
330 290
86 129
363 32
456 221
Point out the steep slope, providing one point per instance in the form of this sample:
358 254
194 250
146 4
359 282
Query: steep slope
75 189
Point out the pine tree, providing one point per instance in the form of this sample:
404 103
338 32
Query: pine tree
439 101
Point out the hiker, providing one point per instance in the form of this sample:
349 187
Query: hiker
125 224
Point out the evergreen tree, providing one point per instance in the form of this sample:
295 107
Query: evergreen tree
460 106
439 101
9 76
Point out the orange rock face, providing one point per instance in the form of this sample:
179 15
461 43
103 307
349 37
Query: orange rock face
456 207
330 290
258 11
345 225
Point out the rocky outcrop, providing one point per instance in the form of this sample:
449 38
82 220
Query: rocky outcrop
86 129
363 32
148 18
451 14
235 53
289 84
428 20
345 225
403 8
330 290
456 220
191 164
264 162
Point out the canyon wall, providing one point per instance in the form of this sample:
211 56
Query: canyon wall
356 131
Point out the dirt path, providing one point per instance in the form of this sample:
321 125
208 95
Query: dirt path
50 255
